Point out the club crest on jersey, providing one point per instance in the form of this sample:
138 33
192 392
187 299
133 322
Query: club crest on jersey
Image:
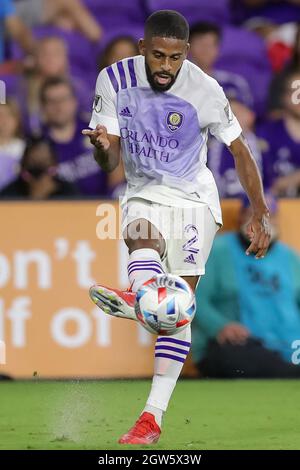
97 106
174 120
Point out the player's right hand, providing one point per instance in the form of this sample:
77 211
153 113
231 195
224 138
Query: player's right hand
98 137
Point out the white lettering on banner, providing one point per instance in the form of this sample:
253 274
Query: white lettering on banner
103 328
84 327
18 314
296 354
62 248
4 270
83 256
22 261
106 227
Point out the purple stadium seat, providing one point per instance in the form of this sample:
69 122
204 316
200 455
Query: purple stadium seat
276 12
244 53
136 32
111 14
195 10
240 44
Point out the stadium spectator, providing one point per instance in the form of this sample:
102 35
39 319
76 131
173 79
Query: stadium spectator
51 61
205 41
277 85
67 14
290 182
219 158
63 127
11 144
280 143
248 310
13 26
117 49
38 178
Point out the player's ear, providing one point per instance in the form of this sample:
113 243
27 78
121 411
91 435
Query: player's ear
188 46
142 46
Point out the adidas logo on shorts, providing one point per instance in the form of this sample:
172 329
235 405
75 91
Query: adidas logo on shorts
190 259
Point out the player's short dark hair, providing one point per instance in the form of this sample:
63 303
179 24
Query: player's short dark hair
53 82
167 24
204 27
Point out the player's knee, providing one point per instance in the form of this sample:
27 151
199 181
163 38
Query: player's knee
157 245
142 234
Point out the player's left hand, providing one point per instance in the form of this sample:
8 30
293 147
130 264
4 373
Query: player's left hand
259 232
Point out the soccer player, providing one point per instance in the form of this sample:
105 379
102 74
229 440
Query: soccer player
157 108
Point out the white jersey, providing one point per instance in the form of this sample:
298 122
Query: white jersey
164 134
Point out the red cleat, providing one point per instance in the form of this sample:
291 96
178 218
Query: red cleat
114 301
145 431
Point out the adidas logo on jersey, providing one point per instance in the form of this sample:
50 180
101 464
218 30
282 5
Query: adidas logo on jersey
125 112
190 259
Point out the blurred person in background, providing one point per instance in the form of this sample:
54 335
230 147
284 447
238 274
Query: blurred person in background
119 48
51 61
249 313
11 142
280 143
205 43
219 158
67 14
62 126
12 26
38 178
205 39
277 86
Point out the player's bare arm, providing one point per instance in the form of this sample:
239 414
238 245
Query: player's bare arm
258 228
107 147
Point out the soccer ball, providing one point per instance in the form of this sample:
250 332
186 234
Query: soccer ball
165 304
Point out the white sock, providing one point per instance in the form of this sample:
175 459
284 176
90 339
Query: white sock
143 264
156 412
170 355
170 351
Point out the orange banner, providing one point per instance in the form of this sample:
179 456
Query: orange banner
49 256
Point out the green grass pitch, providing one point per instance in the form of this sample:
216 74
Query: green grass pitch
202 414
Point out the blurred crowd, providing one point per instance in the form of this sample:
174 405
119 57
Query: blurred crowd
52 50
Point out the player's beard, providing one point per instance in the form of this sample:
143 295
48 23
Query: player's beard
156 86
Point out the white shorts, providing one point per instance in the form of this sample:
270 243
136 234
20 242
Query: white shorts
188 232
